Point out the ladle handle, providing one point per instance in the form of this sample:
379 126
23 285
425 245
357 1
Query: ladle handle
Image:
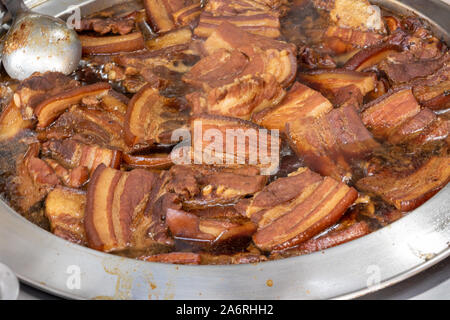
14 7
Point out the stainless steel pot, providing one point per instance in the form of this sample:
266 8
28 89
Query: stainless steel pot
378 260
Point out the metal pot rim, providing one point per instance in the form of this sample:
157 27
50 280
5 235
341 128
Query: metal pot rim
380 259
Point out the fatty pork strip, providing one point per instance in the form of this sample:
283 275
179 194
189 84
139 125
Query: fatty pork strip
398 118
166 15
233 53
256 17
407 192
331 144
292 210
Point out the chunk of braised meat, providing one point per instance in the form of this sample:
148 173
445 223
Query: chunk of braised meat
403 68
337 40
434 91
369 58
239 99
33 180
64 208
309 58
152 118
256 17
117 25
385 114
408 192
73 178
292 210
227 141
234 53
359 14
206 186
331 239
93 121
300 102
12 125
72 154
94 45
51 108
166 15
341 86
115 216
161 68
39 87
222 234
332 143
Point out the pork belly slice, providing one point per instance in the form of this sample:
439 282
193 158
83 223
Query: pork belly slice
210 234
292 210
408 192
434 91
342 40
256 17
200 187
239 99
265 55
332 143
162 68
64 208
329 240
403 68
12 123
412 127
112 44
388 112
39 87
73 178
73 154
51 108
174 258
151 118
89 125
300 102
220 68
172 38
230 141
165 15
115 202
356 14
369 57
156 161
340 85
116 25
34 179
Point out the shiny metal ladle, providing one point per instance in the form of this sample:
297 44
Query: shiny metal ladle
38 43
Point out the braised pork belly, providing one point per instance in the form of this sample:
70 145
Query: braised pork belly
230 131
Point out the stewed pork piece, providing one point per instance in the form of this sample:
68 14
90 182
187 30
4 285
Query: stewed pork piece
292 210
398 118
151 118
256 17
331 144
115 203
166 15
64 208
408 192
240 99
198 187
300 102
233 53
